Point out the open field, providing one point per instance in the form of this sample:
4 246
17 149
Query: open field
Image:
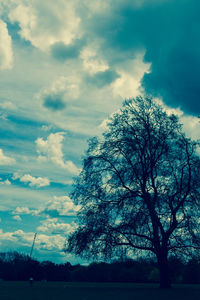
95 291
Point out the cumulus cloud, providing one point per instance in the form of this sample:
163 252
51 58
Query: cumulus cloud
43 241
6 53
61 206
58 206
33 181
45 23
5 160
115 31
60 92
191 126
92 61
130 72
7 182
52 225
51 150
6 236
23 210
50 242
17 218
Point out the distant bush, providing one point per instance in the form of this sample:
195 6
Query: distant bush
17 266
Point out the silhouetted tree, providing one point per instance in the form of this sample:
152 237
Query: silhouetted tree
139 188
18 266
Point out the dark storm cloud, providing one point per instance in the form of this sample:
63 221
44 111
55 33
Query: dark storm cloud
54 102
169 31
101 79
62 52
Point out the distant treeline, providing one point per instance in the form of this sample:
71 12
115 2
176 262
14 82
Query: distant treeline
16 266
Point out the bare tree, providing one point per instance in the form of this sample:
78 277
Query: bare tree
139 188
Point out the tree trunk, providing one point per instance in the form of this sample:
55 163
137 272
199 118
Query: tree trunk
165 281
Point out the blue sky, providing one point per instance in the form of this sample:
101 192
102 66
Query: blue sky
65 67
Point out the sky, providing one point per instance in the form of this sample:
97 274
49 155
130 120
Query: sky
65 67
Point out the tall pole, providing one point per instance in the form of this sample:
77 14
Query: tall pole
33 244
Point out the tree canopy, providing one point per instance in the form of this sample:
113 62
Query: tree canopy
139 188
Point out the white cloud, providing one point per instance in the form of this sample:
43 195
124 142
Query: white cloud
17 196
5 160
8 105
63 84
51 150
43 242
60 92
33 181
22 210
104 124
6 236
17 218
6 54
51 225
58 206
7 182
44 23
191 126
50 242
131 73
91 60
98 6
18 237
25 211
63 205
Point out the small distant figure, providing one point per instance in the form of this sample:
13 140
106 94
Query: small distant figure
31 281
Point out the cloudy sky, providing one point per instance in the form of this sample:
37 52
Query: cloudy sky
65 66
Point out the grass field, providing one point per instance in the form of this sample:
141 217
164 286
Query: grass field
95 291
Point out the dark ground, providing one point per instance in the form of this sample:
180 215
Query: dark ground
95 291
